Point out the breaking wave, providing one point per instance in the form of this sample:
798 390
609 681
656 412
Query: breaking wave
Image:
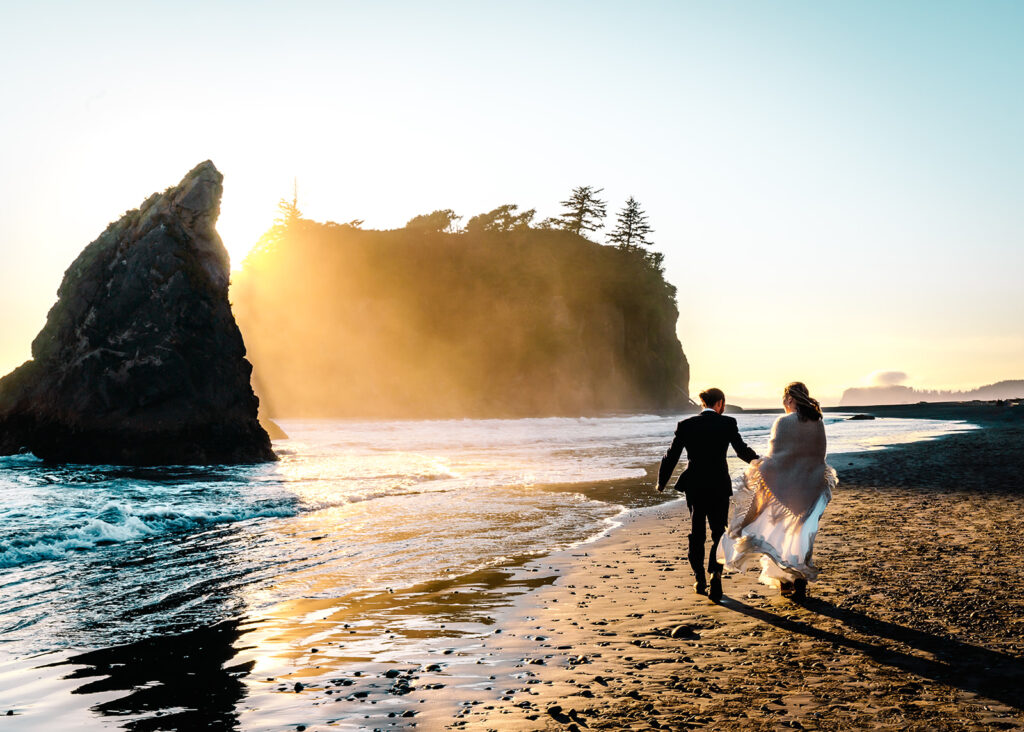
117 523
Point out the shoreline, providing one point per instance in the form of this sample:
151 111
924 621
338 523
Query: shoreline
901 630
973 411
577 638
869 648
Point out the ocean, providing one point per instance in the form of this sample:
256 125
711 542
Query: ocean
96 557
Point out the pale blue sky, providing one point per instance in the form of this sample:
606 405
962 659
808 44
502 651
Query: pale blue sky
837 186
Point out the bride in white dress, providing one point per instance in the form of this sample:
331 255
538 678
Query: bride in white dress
778 502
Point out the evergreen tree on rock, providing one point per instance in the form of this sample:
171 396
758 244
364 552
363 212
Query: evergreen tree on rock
288 213
631 228
584 211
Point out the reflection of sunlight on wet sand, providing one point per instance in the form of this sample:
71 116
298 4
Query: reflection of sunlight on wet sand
353 639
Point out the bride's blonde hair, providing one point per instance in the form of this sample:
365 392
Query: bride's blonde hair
806 407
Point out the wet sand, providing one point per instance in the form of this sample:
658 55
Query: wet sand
916 623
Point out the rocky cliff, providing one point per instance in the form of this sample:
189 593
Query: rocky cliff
346 322
140 360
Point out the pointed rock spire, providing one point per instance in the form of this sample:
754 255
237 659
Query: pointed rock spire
140 360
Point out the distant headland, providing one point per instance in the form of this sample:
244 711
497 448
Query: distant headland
900 394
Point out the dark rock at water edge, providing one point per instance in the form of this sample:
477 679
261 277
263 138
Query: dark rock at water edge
140 361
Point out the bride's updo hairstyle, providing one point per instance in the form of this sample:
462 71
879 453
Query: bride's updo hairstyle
806 407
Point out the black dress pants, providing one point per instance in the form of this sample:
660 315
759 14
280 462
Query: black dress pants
715 513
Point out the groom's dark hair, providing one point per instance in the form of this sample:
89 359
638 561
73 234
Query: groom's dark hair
711 397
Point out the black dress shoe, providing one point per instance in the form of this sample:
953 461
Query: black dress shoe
716 587
701 588
800 589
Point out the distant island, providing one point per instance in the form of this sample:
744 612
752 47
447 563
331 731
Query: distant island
899 394
499 318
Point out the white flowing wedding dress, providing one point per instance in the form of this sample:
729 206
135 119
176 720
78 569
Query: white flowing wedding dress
776 504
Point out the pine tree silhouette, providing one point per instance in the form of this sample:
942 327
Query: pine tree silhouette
288 211
584 211
631 228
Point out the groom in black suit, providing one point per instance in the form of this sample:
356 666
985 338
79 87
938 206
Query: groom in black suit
705 481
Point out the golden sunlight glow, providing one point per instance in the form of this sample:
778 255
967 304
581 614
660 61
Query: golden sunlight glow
241 223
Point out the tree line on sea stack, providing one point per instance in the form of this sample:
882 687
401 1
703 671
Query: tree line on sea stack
583 213
495 316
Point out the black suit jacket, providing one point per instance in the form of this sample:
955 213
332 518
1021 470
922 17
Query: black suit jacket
706 439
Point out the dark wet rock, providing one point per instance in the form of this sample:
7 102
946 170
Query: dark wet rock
682 631
556 713
140 361
298 686
860 416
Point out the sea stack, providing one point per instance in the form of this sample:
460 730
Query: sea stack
140 361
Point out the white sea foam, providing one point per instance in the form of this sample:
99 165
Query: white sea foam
117 523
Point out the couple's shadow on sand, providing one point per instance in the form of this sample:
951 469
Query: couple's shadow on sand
971 668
